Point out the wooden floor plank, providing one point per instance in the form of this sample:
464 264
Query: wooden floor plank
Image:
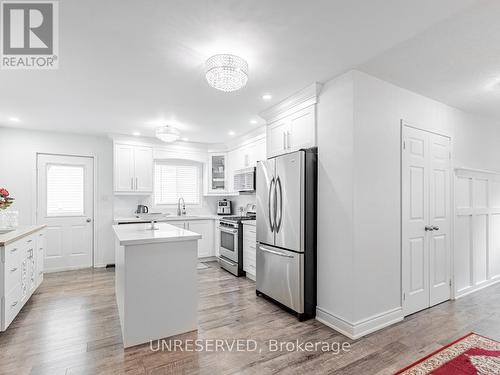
71 326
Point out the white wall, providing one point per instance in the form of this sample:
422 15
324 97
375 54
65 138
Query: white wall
369 226
18 150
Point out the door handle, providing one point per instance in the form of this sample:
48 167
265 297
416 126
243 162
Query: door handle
435 227
279 253
88 220
271 223
429 228
284 141
278 184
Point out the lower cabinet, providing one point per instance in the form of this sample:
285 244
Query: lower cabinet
249 250
203 227
21 274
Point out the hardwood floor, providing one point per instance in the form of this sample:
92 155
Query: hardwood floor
71 326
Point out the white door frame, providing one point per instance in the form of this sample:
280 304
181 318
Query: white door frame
94 194
405 123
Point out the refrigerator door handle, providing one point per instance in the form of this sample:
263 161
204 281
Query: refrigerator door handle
278 185
279 253
272 218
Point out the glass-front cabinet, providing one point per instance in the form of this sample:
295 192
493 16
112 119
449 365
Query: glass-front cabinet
217 173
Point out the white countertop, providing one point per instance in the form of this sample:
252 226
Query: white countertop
166 218
20 232
138 234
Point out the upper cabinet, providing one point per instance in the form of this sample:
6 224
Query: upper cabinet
217 173
292 122
133 169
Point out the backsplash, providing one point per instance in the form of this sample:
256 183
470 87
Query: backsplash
125 205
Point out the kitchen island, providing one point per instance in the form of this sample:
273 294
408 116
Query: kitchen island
155 281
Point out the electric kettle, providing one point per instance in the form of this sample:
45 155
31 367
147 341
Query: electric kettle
142 209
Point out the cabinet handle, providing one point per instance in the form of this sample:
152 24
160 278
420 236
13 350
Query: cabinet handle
29 241
284 141
13 250
14 304
13 269
136 183
131 183
288 139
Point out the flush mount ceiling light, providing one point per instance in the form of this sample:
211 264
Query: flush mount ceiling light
226 72
167 133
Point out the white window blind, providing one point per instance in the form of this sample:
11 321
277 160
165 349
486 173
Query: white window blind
65 190
174 179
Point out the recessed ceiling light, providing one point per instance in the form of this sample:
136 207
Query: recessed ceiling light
231 133
253 122
136 134
267 96
14 119
185 139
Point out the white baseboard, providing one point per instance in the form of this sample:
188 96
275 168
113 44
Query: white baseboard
473 289
361 328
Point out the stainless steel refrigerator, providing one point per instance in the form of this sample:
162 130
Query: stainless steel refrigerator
286 188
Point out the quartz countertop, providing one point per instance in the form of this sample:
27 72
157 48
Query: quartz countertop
20 232
165 218
138 234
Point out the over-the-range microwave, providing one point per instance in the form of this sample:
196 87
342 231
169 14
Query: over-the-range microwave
244 179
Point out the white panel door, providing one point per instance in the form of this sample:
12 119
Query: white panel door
425 219
143 169
440 218
65 204
415 216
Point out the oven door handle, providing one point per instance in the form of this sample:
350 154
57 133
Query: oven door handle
232 231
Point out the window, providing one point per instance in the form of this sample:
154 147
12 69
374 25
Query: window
65 190
175 179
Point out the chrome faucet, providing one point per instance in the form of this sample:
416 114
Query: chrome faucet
179 211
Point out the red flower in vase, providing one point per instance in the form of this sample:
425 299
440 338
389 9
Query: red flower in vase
4 192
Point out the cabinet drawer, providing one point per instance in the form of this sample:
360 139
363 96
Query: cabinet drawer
13 254
12 305
12 277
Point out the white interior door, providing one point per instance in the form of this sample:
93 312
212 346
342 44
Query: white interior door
65 204
425 219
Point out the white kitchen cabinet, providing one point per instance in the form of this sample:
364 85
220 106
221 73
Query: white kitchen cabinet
206 243
203 227
249 250
133 169
293 132
217 173
21 272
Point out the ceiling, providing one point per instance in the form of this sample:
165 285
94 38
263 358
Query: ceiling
456 61
128 66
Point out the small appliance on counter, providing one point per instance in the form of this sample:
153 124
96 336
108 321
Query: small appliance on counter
141 209
224 207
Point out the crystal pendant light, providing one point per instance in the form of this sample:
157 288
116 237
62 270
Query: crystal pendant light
226 72
167 133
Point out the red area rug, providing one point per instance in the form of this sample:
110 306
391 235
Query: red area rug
471 355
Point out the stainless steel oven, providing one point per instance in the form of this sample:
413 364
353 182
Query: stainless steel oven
229 241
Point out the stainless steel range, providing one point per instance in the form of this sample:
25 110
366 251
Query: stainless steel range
231 243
